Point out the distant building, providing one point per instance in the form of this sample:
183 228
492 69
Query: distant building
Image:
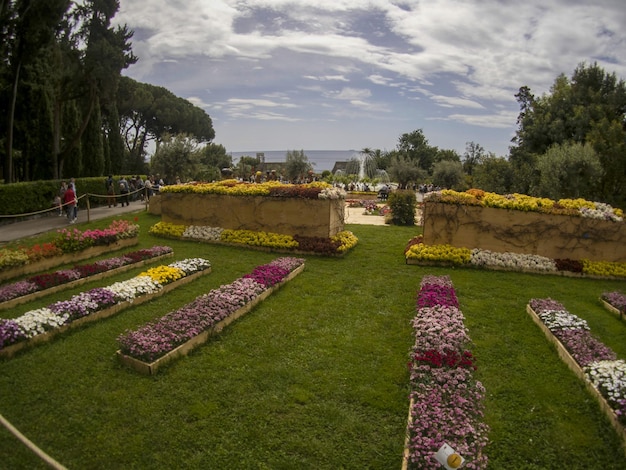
339 166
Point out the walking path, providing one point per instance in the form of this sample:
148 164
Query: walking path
51 221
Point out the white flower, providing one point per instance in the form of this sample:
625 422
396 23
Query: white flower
609 377
512 260
332 193
199 232
562 320
191 265
139 285
602 211
36 322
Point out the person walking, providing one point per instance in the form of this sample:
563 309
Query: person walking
70 204
124 189
61 196
72 185
110 188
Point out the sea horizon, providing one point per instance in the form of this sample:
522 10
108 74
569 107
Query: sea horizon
320 159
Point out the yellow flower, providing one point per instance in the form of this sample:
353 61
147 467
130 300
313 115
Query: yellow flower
164 274
346 239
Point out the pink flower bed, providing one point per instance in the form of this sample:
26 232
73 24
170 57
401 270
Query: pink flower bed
447 401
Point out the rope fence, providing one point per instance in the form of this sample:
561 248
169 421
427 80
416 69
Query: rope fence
28 443
61 207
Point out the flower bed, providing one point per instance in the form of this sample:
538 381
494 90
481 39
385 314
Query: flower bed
45 284
575 229
446 401
596 364
338 244
69 246
417 252
40 325
614 302
175 334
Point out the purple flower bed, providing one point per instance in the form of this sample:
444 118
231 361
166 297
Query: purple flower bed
157 338
598 362
39 321
615 299
447 401
46 281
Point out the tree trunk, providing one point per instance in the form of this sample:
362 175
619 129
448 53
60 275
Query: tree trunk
8 158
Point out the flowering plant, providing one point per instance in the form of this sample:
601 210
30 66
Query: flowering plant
447 400
161 336
47 280
598 361
337 244
418 251
578 207
39 321
616 299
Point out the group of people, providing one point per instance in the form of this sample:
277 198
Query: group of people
67 201
132 189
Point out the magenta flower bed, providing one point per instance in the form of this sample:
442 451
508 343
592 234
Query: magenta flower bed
47 280
447 401
155 339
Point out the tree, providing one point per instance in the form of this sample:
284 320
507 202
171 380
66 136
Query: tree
415 147
405 171
493 174
149 113
569 171
448 174
177 156
27 28
297 165
474 153
212 160
588 108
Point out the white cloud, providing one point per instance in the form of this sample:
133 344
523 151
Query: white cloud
284 56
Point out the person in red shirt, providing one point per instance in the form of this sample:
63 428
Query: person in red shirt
70 200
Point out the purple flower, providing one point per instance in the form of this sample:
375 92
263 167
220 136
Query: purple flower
10 333
17 289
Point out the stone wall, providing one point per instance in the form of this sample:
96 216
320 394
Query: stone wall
504 230
288 216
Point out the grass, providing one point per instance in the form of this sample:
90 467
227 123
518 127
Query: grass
315 377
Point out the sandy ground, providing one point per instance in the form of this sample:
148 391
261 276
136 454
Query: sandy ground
355 215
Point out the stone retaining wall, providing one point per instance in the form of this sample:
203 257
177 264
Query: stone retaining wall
504 230
288 216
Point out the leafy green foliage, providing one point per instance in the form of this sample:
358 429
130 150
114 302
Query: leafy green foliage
402 205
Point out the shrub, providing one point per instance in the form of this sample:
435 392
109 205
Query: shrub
402 205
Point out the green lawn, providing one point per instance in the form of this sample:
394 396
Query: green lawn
315 377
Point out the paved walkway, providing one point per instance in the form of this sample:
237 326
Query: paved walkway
50 221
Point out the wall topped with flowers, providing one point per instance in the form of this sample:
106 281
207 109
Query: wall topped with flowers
568 228
313 210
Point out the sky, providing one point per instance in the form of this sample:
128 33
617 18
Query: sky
355 74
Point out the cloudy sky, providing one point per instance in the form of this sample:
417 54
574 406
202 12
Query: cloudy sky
350 74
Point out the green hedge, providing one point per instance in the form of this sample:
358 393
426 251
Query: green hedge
34 196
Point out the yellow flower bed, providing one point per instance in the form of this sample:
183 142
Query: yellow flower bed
604 268
168 230
347 240
234 187
522 202
249 237
439 253
164 274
